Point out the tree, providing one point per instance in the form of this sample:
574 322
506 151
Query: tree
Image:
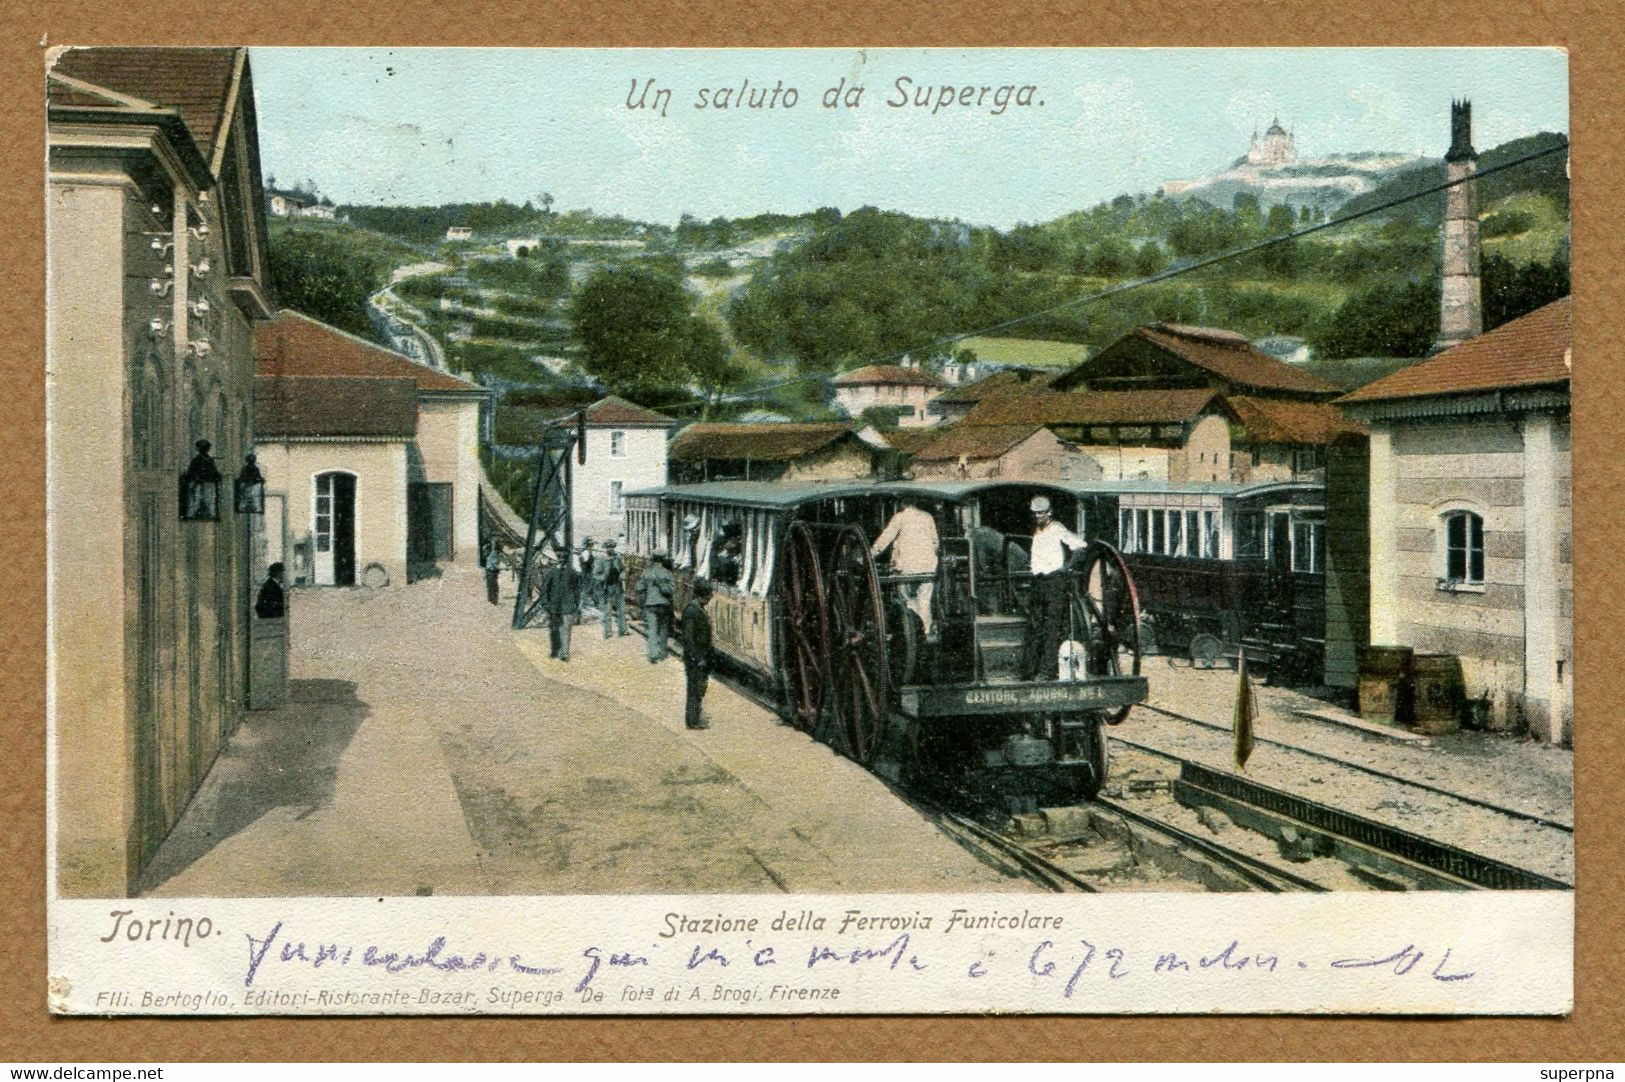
641 336
1150 259
1512 290
326 278
1383 321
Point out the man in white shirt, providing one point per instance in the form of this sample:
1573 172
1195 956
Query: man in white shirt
1053 545
912 537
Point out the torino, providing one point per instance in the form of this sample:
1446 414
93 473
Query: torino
937 98
175 929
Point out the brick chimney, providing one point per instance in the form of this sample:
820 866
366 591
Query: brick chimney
1461 308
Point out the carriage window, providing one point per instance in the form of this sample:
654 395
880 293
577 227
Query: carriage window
1142 531
1193 533
1125 531
1249 537
1159 535
1308 547
1175 548
1464 548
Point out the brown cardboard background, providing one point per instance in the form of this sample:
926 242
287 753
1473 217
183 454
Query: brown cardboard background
1591 30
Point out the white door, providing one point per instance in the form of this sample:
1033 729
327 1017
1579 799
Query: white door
322 532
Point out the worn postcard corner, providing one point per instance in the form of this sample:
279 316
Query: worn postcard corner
809 531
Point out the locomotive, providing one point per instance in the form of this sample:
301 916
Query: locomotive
932 692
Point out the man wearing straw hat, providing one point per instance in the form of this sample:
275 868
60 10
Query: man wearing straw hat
1053 545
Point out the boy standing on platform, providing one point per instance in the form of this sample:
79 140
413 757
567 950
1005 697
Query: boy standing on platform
696 654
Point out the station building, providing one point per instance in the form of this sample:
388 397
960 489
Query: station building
1471 538
157 276
371 459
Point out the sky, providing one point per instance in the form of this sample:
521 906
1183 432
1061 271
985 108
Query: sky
407 126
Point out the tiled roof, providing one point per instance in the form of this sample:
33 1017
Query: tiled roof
889 374
1093 407
1275 420
909 440
293 344
1232 357
975 442
759 443
294 407
618 411
1223 353
194 82
1531 350
1010 381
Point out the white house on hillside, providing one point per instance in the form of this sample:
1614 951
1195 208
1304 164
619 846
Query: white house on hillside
907 390
626 451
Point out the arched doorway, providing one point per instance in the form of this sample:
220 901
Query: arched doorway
333 529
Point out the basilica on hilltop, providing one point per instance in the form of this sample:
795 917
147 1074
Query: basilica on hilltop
1274 147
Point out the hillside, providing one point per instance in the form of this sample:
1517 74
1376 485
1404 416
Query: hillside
796 298
1324 183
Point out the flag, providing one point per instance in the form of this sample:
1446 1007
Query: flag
1246 713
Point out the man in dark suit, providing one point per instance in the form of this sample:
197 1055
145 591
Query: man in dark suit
561 597
271 603
697 653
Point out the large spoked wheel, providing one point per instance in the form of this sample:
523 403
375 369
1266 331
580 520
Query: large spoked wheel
862 676
904 634
804 659
1094 741
1106 590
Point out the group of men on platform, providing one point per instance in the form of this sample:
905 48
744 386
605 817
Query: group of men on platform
590 579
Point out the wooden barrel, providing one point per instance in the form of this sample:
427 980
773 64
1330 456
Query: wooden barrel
1438 693
1384 676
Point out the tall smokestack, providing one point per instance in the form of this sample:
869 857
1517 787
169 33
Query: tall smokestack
1461 307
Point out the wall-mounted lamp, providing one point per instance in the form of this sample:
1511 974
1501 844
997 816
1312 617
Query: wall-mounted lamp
249 489
200 308
201 268
160 246
157 327
161 286
199 232
199 349
200 487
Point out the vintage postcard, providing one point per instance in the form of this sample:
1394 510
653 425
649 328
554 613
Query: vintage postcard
799 531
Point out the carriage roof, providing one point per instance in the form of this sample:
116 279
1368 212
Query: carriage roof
776 495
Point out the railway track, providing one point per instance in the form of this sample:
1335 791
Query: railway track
1380 853
1511 813
1257 873
1178 852
1380 856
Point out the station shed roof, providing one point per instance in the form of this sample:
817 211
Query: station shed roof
758 443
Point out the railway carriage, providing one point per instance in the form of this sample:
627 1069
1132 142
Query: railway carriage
803 611
1223 566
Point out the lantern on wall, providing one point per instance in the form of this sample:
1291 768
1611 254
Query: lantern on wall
200 487
249 491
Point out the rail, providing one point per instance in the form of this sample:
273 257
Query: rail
1512 813
1046 873
1258 872
1197 783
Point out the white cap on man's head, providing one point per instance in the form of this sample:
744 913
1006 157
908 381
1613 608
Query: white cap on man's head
1040 505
